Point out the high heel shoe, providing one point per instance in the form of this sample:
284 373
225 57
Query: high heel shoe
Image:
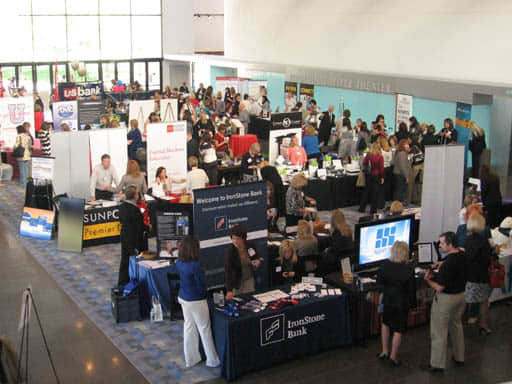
485 331
383 356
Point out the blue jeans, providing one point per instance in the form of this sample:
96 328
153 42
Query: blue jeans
23 167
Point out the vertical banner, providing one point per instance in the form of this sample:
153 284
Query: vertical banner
216 210
462 120
15 111
140 111
307 93
290 95
403 109
167 147
168 110
65 112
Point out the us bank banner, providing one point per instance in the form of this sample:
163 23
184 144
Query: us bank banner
73 91
216 210
15 111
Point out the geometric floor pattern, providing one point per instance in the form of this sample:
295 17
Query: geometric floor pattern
155 349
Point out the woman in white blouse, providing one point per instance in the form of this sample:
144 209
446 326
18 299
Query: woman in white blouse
161 185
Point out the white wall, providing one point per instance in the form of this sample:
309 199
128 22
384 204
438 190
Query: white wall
454 40
182 33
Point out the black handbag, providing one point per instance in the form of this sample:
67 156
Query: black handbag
18 151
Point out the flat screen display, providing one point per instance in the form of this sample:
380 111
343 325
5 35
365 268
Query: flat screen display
377 239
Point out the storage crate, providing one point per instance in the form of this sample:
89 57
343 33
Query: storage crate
125 308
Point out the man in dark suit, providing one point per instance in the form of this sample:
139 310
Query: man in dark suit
132 232
327 122
192 145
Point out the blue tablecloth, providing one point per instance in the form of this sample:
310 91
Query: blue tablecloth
257 340
154 283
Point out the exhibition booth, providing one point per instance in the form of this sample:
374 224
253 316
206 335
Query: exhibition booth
282 320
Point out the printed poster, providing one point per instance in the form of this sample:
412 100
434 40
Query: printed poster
15 111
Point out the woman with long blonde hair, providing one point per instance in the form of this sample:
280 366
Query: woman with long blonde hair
291 267
306 243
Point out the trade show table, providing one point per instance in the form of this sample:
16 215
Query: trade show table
154 282
257 340
363 304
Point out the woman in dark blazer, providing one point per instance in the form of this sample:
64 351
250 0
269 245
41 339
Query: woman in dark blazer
292 266
240 263
491 195
395 280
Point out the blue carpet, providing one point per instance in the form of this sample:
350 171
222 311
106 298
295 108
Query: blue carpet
155 349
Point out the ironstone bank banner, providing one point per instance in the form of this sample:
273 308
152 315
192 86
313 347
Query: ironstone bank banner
216 210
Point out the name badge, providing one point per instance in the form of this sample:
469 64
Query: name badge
249 160
251 252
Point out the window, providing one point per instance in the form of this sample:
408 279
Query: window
92 72
50 38
115 37
154 75
114 7
8 77
139 74
83 38
25 78
145 7
60 74
43 78
82 7
146 36
48 7
123 72
16 40
109 74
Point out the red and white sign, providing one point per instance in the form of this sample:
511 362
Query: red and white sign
15 111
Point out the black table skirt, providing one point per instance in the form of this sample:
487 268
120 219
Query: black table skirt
334 192
259 340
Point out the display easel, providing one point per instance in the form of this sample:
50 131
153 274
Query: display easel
168 113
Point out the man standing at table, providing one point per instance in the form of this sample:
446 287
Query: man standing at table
103 175
449 304
327 122
132 232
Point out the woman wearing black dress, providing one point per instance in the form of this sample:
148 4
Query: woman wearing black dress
395 280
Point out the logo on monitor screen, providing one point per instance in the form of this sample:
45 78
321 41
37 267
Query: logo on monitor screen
272 329
385 237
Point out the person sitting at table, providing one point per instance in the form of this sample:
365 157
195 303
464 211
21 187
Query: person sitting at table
296 154
192 297
306 244
250 161
341 233
221 140
133 176
196 177
310 143
132 232
296 200
102 178
292 267
161 185
396 281
396 208
240 263
134 139
209 157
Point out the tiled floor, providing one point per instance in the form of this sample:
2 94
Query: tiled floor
83 354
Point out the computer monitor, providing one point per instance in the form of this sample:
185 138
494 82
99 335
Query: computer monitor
375 239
